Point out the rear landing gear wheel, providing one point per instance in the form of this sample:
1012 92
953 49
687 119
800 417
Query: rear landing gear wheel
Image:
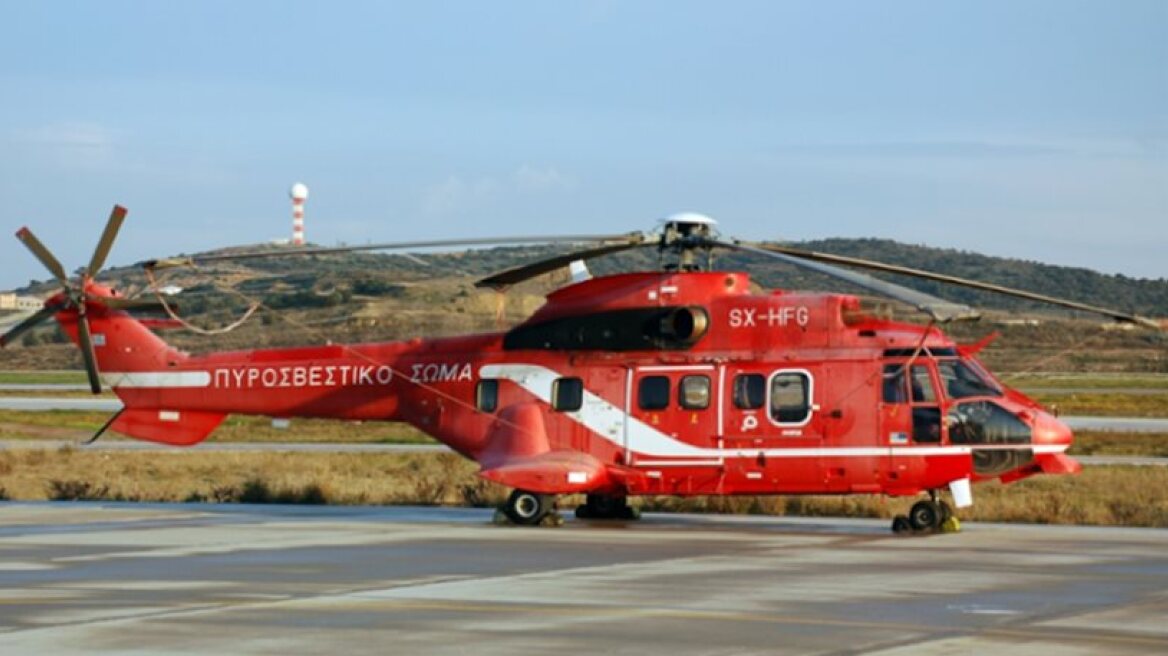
528 508
925 515
900 525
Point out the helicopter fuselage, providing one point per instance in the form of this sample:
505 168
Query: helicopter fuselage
678 383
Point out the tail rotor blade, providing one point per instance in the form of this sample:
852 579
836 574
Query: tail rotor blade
28 324
86 343
38 249
117 216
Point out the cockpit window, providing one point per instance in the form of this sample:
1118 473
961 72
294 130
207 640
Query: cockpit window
894 387
922 385
962 381
985 422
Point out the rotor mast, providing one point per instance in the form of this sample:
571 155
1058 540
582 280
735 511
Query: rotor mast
685 233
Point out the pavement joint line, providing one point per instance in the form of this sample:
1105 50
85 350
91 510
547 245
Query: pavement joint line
665 612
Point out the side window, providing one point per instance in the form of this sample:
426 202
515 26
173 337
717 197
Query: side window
922 385
895 389
791 397
694 392
487 395
567 394
749 391
653 393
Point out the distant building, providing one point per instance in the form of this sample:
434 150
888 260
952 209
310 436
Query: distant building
10 302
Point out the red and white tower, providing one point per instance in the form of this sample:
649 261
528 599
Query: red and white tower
299 194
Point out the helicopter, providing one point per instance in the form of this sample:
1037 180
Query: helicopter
676 381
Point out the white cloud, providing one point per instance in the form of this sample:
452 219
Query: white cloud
529 178
69 134
68 145
456 194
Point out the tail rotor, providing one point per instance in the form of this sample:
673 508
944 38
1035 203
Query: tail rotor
77 295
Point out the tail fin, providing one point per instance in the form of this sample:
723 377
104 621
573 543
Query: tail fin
124 346
120 343
113 342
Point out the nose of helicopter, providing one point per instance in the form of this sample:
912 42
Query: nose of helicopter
1049 435
1048 430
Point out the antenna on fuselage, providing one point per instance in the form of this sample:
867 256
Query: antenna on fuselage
579 271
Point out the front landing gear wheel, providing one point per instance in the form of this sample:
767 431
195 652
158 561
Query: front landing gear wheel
946 512
926 515
528 508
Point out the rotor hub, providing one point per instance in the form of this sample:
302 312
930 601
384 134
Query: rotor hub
682 235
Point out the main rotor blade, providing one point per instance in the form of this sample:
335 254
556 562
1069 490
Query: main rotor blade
28 324
962 282
937 308
515 275
38 249
86 343
387 246
141 304
117 216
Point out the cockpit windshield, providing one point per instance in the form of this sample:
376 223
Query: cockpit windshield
963 379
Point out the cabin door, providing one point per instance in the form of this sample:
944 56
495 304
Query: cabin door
677 402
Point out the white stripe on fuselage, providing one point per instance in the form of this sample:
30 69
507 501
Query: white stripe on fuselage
606 420
596 414
157 379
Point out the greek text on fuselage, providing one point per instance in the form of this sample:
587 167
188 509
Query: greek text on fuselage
439 372
339 375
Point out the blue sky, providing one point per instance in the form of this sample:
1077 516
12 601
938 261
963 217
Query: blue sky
1027 129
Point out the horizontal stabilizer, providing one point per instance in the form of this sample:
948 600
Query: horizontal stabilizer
554 472
175 427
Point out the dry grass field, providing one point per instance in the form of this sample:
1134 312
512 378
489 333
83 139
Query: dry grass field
1101 443
1106 404
80 425
1130 496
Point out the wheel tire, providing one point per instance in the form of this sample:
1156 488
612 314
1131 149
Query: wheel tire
604 507
925 516
946 512
900 525
527 508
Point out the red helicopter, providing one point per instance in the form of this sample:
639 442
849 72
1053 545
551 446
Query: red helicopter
678 381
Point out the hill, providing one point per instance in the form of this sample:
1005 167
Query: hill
370 296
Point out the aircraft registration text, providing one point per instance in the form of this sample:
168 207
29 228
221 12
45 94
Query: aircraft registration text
775 317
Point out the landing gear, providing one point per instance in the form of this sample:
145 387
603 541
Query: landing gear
599 506
529 509
930 515
925 515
